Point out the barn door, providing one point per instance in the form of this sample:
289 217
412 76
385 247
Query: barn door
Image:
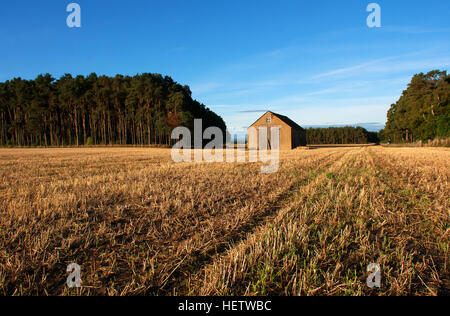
268 132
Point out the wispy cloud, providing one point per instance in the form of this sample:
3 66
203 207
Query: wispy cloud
404 29
387 66
253 111
353 69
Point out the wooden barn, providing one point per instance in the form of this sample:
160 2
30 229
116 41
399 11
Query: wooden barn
292 135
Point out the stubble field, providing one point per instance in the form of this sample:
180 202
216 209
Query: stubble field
139 224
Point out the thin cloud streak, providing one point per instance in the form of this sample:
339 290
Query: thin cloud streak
255 111
352 69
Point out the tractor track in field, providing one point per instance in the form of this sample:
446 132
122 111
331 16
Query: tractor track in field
194 263
257 225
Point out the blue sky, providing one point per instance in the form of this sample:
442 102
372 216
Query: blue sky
315 61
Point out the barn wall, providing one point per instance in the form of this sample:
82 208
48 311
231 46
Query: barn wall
298 138
285 132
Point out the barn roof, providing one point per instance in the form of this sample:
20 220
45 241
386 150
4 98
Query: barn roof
285 119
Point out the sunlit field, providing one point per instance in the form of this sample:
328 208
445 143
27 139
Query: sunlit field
139 224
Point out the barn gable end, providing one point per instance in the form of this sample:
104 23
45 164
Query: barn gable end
292 135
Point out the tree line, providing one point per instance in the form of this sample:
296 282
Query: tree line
422 112
94 110
340 135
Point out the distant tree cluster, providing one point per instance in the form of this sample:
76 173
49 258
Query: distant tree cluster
340 135
123 110
423 110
